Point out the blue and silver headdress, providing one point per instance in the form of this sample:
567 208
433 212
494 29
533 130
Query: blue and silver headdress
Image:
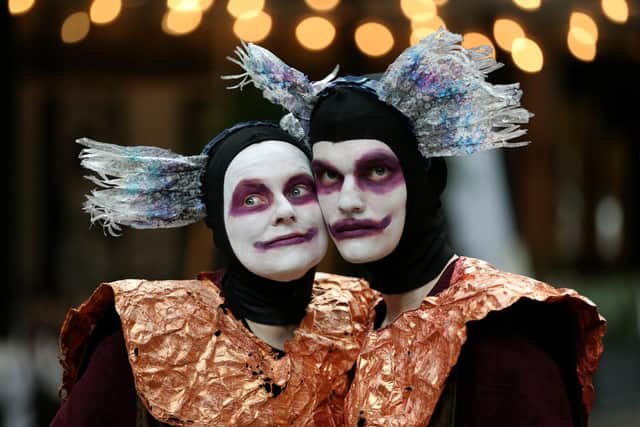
280 84
437 84
142 187
152 187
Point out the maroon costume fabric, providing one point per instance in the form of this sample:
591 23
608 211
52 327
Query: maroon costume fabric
105 394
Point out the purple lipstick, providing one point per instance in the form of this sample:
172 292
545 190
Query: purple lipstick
353 228
287 240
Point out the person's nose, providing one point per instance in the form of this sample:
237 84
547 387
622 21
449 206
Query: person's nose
284 213
350 199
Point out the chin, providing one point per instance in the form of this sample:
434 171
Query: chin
286 274
360 252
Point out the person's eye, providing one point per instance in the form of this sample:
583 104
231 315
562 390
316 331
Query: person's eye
299 190
378 173
253 200
328 177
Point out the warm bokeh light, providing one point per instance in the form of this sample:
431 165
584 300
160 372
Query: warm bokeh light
373 39
315 33
583 27
616 10
245 9
528 4
505 31
189 5
18 7
253 29
419 10
583 51
440 2
421 29
104 11
75 28
180 22
478 39
527 55
435 22
322 5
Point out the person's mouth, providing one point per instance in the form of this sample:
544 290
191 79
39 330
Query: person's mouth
353 228
287 240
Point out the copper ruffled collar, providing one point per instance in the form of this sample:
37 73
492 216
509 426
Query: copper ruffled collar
395 387
195 364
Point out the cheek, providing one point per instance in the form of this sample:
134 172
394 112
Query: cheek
328 189
245 229
309 198
310 214
393 201
328 203
391 183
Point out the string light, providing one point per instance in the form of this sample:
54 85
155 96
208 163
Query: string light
322 5
528 4
19 7
189 5
418 10
583 27
583 51
103 12
254 28
75 28
245 9
180 22
527 55
616 10
505 31
315 33
373 39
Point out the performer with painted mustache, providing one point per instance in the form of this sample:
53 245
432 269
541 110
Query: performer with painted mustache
457 341
265 342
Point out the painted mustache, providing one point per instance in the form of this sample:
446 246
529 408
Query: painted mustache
287 240
352 228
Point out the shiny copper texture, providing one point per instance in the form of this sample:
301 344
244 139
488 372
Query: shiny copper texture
195 364
403 367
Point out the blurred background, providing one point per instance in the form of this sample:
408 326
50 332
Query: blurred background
147 72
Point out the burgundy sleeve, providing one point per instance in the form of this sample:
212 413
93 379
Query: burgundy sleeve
105 394
509 380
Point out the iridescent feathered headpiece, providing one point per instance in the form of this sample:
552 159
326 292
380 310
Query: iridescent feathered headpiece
149 187
437 84
142 187
280 84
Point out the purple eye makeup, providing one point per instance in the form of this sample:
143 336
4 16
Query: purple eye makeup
378 171
250 196
300 190
328 179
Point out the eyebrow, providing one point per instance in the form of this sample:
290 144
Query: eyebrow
377 155
304 178
251 185
322 164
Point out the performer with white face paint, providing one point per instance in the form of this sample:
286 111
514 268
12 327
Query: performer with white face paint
265 341
457 342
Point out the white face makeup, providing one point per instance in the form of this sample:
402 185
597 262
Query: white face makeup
271 213
363 196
